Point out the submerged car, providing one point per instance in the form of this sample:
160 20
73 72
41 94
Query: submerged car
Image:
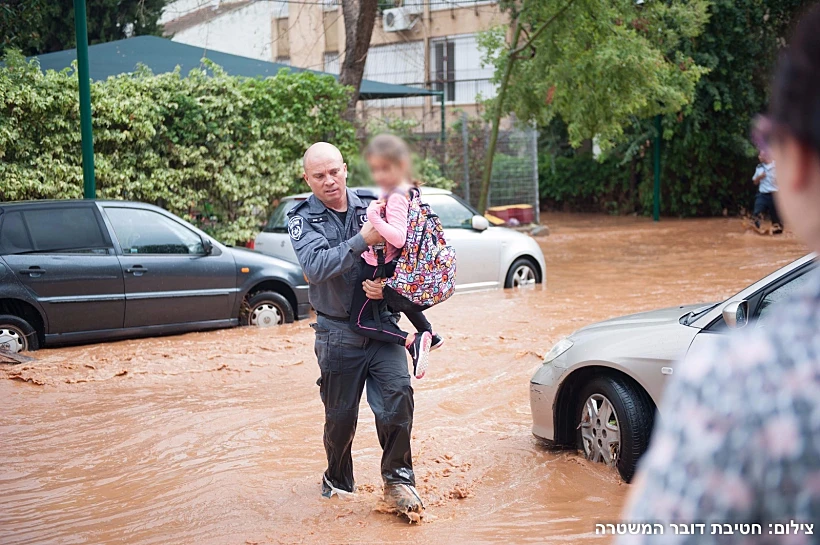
599 388
488 257
78 271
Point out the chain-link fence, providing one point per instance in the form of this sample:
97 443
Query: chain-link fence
463 154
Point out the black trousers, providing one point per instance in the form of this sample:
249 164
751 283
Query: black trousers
363 320
349 362
764 203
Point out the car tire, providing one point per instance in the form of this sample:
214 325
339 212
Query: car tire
267 309
522 272
632 414
18 334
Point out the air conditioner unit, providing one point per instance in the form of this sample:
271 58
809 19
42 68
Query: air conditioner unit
397 19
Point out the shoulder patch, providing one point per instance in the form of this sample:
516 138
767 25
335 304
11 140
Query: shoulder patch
295 227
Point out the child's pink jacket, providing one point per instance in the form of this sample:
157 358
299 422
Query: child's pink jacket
393 227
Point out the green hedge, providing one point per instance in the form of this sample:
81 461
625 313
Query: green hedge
580 183
215 149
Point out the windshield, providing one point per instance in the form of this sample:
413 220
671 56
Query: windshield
452 212
278 222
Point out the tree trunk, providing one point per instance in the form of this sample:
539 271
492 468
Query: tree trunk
359 17
496 119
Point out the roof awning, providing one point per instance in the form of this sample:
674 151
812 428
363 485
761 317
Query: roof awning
162 55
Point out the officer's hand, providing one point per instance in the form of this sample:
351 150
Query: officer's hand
374 289
370 235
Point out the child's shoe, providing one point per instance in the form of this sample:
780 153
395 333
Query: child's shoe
420 352
436 343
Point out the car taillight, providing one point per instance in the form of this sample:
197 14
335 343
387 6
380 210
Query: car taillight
251 244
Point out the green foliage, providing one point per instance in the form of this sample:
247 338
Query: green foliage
597 64
707 158
582 184
43 26
206 144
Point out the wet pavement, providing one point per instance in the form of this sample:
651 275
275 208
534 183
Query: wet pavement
216 438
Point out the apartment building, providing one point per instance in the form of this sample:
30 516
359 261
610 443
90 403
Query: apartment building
425 43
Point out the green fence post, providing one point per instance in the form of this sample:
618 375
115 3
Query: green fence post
443 117
656 199
81 31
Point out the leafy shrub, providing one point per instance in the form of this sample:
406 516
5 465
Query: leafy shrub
580 183
215 149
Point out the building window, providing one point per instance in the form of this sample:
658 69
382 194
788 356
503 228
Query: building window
282 38
444 64
455 68
400 63
439 5
332 65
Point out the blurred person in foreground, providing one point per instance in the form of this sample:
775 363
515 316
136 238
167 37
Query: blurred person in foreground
739 440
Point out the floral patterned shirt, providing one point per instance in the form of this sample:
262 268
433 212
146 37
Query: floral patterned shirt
736 455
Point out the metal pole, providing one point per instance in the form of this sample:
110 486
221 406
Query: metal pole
81 31
656 200
443 125
465 136
534 143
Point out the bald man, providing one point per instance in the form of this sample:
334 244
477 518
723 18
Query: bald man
329 232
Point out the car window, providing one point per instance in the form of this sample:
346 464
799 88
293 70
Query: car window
452 213
148 232
785 291
53 230
278 222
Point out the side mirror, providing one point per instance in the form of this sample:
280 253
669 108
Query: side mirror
736 314
479 223
207 245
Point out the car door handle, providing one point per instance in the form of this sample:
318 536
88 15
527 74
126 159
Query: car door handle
137 270
33 272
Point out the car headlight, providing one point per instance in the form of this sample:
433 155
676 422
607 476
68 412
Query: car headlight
560 347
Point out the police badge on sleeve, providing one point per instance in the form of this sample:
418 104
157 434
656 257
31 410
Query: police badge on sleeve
295 227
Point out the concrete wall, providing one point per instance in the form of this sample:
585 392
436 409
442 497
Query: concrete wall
245 30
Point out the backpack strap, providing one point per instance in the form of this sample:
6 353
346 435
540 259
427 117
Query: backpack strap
380 273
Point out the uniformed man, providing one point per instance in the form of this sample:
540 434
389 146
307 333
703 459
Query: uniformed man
329 233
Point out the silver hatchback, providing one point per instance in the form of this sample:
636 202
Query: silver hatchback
488 257
598 388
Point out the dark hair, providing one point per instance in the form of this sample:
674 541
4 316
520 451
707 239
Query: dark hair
795 103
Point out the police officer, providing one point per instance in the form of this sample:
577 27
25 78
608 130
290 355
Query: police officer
329 233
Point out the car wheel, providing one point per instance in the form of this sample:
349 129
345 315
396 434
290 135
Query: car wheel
17 335
267 309
522 273
614 422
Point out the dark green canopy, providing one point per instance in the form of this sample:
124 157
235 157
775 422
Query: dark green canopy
161 55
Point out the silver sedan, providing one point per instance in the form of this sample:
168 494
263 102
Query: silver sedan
598 389
488 257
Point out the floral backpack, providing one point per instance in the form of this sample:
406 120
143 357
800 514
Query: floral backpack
426 270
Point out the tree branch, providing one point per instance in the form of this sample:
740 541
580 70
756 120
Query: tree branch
541 29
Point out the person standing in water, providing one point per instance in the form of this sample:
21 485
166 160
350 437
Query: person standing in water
389 160
766 182
329 233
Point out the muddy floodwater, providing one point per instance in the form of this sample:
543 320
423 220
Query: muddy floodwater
216 438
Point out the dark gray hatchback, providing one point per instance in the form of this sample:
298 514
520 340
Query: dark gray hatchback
78 271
